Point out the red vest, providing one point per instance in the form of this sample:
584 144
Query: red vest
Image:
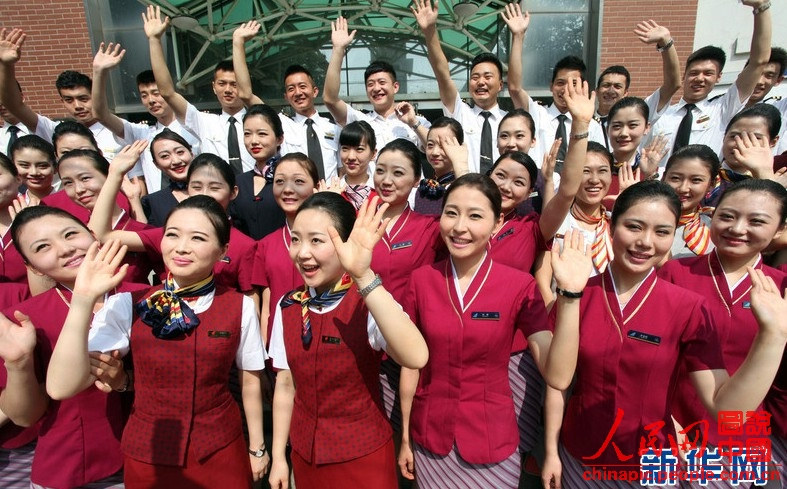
338 413
182 393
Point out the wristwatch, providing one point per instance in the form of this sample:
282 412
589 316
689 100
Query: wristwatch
259 453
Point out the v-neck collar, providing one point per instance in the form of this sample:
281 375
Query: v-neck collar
476 283
622 315
389 237
729 294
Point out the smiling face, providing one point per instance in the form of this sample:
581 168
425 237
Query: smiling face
79 104
190 246
642 236
35 169
699 79
172 158
55 246
291 186
596 177
467 224
744 224
485 84
355 159
381 89
81 180
208 181
514 134
9 186
611 88
259 138
558 87
626 130
225 87
513 181
770 78
312 251
300 92
394 177
690 177
152 100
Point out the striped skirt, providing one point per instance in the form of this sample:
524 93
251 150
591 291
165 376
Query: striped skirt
389 388
527 388
576 475
15 466
434 471
111 482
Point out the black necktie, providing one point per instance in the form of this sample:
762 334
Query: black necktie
314 148
13 135
603 121
233 148
486 143
684 129
561 133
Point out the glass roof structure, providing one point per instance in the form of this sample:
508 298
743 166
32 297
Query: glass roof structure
299 32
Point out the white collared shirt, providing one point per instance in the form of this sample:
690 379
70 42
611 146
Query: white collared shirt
107 144
133 132
472 124
546 119
5 135
295 139
386 129
710 119
213 130
111 329
781 147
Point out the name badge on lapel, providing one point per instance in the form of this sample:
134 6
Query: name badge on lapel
485 316
746 305
218 334
703 119
647 338
331 339
507 233
226 259
399 246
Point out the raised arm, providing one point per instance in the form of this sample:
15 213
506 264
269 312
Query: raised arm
571 268
760 51
240 36
425 13
517 23
581 104
69 368
404 342
155 27
650 32
10 95
405 112
107 57
746 389
340 39
23 399
101 217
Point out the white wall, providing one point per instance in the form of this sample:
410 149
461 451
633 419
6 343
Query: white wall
728 24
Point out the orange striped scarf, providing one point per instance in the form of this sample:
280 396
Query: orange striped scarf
601 250
696 233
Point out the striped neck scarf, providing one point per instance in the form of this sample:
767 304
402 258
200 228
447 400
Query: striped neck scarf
432 189
356 194
732 176
601 250
325 299
166 310
696 233
267 169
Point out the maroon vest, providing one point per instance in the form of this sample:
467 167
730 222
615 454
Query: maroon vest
182 394
338 413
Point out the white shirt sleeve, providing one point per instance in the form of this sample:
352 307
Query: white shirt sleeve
111 326
730 104
353 115
376 339
277 350
653 101
251 353
45 128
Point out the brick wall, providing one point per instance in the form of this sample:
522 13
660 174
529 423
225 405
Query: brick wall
620 46
57 40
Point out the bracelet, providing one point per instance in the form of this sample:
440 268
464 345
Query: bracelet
581 135
372 285
663 48
762 8
126 385
417 125
567 294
